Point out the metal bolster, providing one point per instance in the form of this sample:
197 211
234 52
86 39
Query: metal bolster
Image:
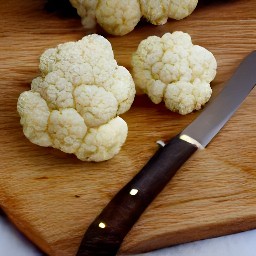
191 141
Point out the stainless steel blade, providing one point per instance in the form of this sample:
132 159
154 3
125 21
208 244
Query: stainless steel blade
218 112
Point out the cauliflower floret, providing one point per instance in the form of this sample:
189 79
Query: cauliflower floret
119 17
86 9
185 97
155 11
173 70
76 101
180 9
118 83
55 89
95 104
34 114
103 141
67 129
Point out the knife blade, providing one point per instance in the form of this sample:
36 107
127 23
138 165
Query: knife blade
105 234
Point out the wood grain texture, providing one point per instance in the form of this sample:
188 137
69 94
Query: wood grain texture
52 197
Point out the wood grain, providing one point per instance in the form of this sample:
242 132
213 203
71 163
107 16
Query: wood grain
52 197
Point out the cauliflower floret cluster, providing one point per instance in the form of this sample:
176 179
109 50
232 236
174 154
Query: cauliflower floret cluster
74 105
86 9
173 70
119 17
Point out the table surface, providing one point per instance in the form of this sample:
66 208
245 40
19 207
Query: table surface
13 243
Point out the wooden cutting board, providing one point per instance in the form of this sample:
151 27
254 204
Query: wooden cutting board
52 197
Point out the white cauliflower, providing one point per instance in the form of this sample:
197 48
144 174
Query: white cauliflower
119 17
173 70
86 9
74 105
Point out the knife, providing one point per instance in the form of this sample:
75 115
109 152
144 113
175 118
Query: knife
105 234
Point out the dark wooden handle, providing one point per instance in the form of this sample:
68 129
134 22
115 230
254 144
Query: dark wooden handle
105 235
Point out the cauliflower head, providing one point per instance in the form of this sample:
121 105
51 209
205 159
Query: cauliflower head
119 17
173 70
74 105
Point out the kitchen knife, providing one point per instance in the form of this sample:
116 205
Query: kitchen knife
106 233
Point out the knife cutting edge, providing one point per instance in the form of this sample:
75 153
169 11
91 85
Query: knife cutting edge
105 234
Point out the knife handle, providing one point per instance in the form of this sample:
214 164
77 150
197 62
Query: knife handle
106 233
